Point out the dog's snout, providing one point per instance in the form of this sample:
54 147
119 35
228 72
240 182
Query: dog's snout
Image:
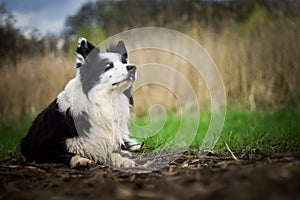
130 67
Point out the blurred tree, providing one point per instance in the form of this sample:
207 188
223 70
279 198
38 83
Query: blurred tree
115 16
87 14
6 17
13 44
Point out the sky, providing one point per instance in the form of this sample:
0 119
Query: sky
48 16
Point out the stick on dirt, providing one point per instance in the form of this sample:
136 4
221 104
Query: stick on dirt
232 154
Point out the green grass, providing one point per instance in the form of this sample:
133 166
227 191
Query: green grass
243 130
11 132
277 131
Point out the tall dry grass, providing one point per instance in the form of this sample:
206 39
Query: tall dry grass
259 61
32 84
177 87
259 64
260 70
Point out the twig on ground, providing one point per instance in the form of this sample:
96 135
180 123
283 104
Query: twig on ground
158 156
7 160
18 167
232 154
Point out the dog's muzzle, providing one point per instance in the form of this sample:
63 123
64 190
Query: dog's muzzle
131 75
131 72
131 68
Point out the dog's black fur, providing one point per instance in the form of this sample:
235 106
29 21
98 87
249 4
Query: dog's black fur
45 141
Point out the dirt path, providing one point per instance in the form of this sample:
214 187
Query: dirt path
259 176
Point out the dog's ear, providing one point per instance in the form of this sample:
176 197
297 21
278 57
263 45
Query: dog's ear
119 48
84 47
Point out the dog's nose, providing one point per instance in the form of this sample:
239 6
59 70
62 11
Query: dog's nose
130 67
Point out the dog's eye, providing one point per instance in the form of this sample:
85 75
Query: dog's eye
109 66
124 60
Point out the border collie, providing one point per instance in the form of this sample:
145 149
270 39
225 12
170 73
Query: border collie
88 121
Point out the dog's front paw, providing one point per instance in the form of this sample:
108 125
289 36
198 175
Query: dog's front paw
119 161
126 162
78 161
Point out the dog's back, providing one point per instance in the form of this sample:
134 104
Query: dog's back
45 141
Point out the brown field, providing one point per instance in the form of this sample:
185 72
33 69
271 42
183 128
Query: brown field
260 69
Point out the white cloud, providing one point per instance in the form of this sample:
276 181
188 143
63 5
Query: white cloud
45 24
49 19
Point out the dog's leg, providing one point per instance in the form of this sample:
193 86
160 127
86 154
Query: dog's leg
131 144
77 161
119 161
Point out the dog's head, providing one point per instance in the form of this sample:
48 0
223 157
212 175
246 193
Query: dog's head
108 71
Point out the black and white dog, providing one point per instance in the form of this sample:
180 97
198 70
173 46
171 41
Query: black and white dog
88 121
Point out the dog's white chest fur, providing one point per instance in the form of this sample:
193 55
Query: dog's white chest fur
108 114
